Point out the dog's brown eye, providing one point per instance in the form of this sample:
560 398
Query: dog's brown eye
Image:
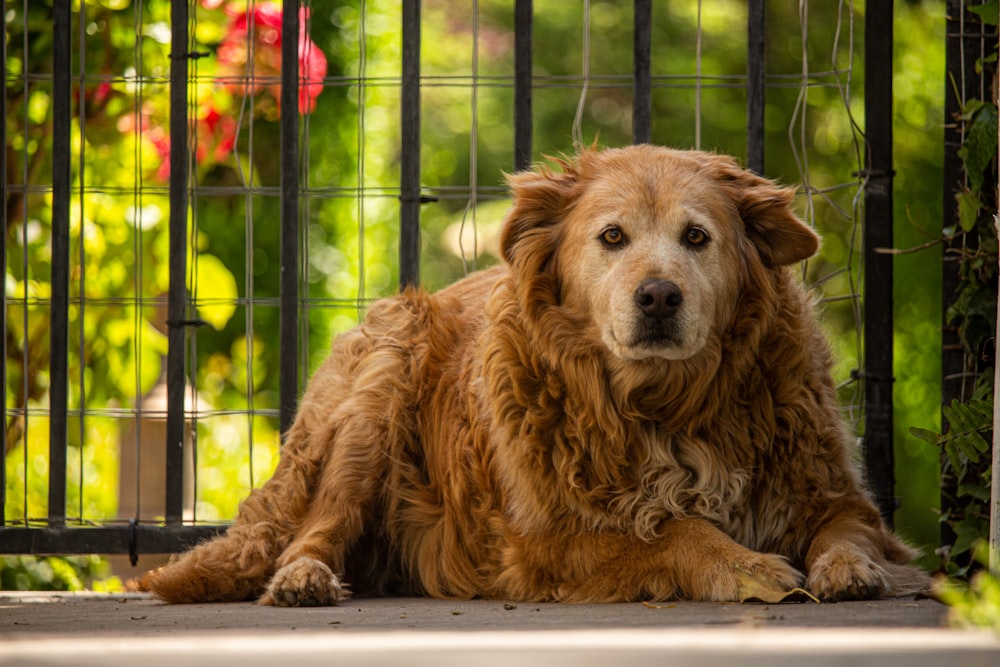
696 236
612 236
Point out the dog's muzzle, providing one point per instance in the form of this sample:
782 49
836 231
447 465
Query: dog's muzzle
658 300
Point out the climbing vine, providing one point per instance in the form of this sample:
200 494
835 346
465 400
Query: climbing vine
965 447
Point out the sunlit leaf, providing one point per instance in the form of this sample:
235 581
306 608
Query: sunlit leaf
215 291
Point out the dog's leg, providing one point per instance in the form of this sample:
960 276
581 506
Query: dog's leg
309 569
849 559
237 565
691 559
853 556
373 426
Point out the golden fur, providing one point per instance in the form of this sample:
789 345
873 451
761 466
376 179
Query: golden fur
636 405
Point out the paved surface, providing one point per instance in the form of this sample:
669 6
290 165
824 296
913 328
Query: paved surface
112 630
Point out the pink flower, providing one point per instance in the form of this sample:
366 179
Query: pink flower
157 136
263 23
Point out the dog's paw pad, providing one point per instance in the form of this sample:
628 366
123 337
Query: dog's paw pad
305 582
844 573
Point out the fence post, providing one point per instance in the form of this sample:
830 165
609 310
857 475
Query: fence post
756 29
409 182
288 326
522 84
642 98
877 310
59 305
3 306
177 292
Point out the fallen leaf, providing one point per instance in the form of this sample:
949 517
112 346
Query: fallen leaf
650 605
761 588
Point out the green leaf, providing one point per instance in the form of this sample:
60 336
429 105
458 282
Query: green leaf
953 455
970 108
984 409
987 12
979 491
970 420
980 145
968 209
926 435
215 291
968 447
968 531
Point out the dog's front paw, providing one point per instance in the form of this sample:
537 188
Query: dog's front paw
845 573
305 582
741 576
764 576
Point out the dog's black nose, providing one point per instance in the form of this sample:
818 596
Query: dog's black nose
658 298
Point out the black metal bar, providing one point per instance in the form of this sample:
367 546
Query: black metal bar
409 182
756 60
288 383
877 308
177 292
62 118
142 539
523 17
3 306
642 98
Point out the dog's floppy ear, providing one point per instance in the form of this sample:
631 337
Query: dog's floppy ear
780 237
531 231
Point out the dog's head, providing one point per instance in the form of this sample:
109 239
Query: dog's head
646 249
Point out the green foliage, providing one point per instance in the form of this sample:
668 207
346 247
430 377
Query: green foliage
976 603
54 573
964 442
966 460
987 11
977 153
965 448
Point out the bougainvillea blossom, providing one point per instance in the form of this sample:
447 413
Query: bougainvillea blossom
258 31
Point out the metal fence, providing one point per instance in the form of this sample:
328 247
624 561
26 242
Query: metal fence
59 532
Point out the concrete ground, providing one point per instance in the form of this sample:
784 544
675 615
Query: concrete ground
130 629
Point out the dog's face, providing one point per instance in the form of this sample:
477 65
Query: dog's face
648 248
644 253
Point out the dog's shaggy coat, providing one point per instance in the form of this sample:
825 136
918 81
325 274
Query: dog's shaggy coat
636 405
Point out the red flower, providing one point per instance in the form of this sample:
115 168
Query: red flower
216 132
153 133
263 24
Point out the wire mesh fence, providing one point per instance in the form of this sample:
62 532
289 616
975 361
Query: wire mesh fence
199 195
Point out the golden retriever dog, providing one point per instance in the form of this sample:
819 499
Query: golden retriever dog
636 405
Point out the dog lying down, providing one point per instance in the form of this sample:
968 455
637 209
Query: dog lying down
636 405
